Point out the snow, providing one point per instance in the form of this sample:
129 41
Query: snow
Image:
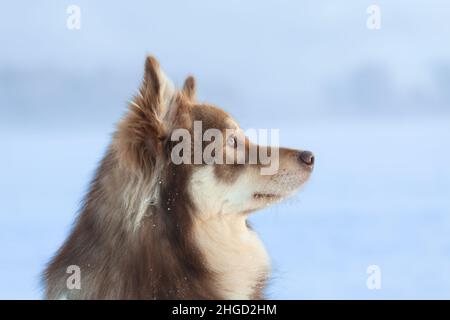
372 105
379 195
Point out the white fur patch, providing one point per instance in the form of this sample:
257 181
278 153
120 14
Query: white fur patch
233 252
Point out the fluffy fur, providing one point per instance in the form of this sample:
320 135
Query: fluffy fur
150 229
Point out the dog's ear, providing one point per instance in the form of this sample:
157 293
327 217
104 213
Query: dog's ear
140 134
189 88
157 91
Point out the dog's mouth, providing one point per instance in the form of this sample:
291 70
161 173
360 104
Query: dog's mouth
266 196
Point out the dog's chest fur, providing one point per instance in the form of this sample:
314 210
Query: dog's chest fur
235 255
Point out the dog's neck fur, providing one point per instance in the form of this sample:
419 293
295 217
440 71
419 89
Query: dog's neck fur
128 249
235 255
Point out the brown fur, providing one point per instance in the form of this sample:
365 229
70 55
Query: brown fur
134 237
159 260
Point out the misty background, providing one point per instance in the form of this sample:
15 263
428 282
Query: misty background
373 105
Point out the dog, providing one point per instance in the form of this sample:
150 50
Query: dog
150 228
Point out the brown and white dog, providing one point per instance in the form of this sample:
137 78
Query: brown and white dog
153 229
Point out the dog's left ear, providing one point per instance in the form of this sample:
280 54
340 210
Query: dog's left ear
157 90
189 88
139 136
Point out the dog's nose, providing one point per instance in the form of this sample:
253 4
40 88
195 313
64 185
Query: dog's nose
307 157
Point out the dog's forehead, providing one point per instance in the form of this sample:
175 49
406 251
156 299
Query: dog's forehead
213 117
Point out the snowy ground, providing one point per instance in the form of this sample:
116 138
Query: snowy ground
379 195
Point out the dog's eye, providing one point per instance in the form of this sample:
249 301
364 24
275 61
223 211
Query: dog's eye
232 141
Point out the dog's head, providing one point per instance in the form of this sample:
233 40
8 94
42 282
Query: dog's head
198 151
